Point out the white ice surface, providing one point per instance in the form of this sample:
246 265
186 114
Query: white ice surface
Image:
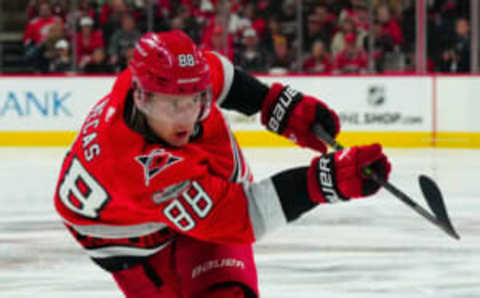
364 249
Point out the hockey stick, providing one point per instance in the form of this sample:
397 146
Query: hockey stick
430 191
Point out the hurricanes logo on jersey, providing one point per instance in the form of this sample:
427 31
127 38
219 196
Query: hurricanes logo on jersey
155 162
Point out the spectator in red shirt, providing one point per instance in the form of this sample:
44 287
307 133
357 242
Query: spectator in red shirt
37 28
320 61
88 40
389 25
353 59
347 26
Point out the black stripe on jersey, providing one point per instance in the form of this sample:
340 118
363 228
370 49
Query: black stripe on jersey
246 94
150 241
118 263
120 260
152 275
237 167
291 187
238 163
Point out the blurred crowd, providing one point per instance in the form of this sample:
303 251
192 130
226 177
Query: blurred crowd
263 36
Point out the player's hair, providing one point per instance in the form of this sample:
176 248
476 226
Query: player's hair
136 119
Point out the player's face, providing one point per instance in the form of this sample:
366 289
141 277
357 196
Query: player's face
173 117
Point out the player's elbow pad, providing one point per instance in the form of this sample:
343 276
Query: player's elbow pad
280 199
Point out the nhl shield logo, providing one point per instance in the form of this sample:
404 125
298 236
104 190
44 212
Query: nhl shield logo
155 162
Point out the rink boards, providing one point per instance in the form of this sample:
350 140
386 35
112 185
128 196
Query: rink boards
398 111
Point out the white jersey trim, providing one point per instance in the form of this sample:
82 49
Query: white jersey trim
264 207
122 251
117 232
227 76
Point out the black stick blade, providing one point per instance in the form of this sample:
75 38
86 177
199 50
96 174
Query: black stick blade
434 198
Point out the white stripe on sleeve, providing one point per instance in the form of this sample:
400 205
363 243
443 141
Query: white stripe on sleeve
266 213
227 76
120 251
115 232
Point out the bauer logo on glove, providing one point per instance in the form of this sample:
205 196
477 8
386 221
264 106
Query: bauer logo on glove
286 100
338 176
292 114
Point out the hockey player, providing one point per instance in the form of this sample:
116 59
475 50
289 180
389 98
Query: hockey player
157 191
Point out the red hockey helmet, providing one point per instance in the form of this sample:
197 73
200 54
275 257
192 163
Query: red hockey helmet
169 62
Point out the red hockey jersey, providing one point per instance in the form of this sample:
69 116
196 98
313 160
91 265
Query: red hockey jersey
123 196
